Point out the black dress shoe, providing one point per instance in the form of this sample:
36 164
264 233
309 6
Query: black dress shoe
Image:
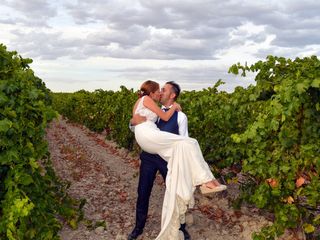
136 232
185 232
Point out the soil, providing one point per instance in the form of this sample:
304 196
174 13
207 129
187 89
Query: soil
107 177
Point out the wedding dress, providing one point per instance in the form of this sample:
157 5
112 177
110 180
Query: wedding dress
186 169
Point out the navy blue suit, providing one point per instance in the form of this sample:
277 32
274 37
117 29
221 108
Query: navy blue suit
150 164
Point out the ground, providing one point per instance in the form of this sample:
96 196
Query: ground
107 177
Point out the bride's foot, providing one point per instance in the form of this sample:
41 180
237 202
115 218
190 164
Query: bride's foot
212 186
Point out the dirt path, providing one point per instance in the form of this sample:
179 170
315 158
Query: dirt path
107 178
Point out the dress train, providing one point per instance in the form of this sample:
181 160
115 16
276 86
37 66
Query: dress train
186 169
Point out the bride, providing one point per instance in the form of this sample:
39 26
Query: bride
186 165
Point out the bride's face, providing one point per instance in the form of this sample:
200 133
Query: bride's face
155 95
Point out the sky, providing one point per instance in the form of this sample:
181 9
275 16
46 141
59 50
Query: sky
103 44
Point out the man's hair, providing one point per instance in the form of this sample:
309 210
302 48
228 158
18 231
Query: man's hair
175 88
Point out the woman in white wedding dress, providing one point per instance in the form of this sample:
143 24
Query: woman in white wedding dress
186 165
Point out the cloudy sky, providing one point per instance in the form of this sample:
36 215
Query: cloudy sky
77 44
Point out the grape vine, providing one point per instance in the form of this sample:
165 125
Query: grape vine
282 144
31 196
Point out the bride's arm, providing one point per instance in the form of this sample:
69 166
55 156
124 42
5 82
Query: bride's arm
149 103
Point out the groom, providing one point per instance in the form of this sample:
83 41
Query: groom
151 163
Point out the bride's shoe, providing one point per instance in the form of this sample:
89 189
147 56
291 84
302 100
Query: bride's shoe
205 190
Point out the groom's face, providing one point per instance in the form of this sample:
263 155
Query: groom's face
166 94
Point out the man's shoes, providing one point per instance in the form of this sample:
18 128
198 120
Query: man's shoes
185 232
136 232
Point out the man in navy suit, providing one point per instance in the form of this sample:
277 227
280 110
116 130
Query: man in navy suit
151 163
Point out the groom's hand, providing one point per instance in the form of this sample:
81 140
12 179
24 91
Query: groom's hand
137 119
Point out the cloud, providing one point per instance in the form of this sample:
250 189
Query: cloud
133 36
31 12
168 29
179 40
185 30
44 45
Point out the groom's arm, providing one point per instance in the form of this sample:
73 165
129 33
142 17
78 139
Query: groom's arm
135 120
183 124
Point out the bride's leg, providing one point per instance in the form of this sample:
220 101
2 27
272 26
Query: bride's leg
209 183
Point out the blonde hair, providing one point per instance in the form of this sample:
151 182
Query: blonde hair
148 87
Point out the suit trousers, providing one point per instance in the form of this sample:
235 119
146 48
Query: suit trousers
150 164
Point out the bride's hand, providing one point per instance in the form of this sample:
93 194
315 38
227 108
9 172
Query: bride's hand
177 106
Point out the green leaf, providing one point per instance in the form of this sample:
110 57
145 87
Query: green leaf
3 98
33 163
5 125
317 218
236 138
33 94
301 87
308 228
285 169
9 156
316 83
25 179
73 223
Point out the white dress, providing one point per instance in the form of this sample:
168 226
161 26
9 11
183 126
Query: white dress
186 169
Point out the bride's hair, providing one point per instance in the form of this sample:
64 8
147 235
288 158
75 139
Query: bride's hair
148 87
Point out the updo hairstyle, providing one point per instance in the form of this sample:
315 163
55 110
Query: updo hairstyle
148 87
